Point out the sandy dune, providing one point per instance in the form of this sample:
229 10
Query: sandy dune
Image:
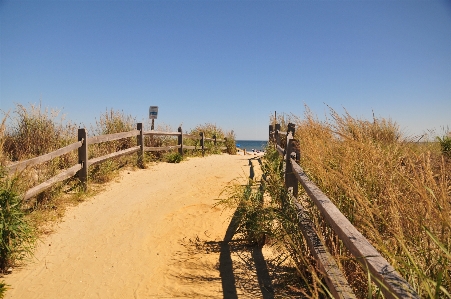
153 233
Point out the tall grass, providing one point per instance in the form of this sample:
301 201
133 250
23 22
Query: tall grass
110 122
394 191
33 131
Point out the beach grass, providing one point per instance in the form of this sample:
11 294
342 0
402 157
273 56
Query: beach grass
394 190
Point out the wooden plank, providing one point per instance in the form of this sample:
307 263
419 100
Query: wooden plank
113 155
161 133
280 150
191 136
161 148
49 183
223 148
282 133
192 147
392 284
335 279
19 166
112 137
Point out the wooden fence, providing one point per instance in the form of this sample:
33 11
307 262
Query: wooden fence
391 283
81 168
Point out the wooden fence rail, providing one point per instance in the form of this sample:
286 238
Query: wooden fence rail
391 283
82 167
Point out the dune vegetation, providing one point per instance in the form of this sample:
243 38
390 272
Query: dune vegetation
394 190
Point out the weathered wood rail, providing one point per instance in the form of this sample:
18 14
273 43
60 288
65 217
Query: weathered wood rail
391 283
82 167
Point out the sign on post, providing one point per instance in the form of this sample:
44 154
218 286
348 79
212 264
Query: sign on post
153 112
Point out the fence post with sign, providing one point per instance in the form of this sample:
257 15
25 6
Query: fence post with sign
153 113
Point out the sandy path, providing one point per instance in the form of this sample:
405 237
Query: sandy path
137 238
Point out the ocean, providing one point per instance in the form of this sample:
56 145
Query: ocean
249 145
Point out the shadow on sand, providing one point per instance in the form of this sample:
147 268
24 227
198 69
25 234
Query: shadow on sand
244 271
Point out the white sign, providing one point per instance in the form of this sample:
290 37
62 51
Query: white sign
153 112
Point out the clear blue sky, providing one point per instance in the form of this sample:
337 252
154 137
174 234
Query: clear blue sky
232 63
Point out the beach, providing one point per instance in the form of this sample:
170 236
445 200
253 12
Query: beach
139 238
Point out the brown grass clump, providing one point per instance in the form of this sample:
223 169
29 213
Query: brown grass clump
31 132
111 122
394 191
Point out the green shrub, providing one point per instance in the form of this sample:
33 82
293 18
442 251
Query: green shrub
173 157
230 143
17 236
445 144
3 289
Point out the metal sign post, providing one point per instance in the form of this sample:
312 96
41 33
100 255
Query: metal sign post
153 113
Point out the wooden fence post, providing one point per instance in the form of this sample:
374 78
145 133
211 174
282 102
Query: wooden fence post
83 158
140 143
291 128
180 141
277 136
214 141
202 143
271 132
291 151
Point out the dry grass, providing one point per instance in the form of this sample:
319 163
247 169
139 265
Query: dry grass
396 192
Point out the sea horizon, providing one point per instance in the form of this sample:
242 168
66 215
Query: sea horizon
249 145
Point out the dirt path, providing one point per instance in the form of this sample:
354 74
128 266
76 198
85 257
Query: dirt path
139 238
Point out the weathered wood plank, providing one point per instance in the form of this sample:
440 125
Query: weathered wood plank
161 133
279 149
335 279
113 155
282 133
49 183
19 166
161 148
112 137
392 284
191 136
192 147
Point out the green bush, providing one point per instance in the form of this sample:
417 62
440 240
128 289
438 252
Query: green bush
3 289
173 157
445 144
17 236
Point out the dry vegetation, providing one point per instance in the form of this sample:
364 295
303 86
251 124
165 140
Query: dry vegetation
396 192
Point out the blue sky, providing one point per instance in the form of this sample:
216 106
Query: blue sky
232 63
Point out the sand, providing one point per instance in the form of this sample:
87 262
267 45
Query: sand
145 236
